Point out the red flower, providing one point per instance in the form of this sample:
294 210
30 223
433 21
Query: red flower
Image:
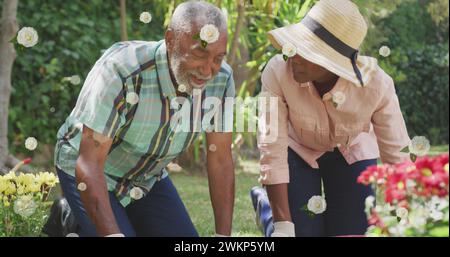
373 174
396 186
375 220
27 161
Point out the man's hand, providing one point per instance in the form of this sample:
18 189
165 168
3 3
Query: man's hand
221 180
94 148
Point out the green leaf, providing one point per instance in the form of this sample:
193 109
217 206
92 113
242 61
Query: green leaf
413 157
204 44
285 57
196 37
405 150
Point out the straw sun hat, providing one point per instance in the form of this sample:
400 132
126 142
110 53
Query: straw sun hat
330 36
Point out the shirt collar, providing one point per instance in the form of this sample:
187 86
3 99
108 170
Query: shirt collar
162 67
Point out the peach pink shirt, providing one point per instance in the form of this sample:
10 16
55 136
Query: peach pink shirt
368 125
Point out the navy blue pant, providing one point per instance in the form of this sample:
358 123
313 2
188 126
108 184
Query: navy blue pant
161 213
344 196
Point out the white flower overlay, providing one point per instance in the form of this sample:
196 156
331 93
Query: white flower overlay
145 17
182 88
419 146
212 147
27 37
132 98
317 204
82 186
209 33
385 51
136 193
289 50
75 80
402 213
339 98
25 206
31 143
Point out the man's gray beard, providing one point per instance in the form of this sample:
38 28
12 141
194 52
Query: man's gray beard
180 77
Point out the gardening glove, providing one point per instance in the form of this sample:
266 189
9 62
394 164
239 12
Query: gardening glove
283 229
116 235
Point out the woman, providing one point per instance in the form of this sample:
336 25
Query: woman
337 113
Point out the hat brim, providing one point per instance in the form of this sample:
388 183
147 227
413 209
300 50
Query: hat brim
315 50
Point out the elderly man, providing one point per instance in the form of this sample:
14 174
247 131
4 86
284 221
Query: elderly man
113 148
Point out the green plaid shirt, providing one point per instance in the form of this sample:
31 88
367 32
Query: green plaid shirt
143 140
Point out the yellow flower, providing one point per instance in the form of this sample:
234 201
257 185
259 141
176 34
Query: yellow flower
9 176
8 188
47 178
25 179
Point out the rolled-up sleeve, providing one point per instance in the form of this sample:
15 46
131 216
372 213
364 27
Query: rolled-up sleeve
101 105
273 146
389 125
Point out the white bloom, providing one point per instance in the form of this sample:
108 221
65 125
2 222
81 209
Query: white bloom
31 143
317 204
182 88
82 186
419 146
72 235
402 213
385 51
136 193
132 98
370 201
75 80
25 206
145 17
209 33
436 215
212 147
398 230
339 98
27 37
419 222
289 50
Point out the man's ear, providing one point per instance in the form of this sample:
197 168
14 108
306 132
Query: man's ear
170 38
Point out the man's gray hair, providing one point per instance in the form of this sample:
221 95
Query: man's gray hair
196 12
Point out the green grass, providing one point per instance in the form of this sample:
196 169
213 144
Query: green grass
194 192
439 149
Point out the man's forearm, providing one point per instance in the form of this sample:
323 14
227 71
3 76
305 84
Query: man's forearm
96 201
221 188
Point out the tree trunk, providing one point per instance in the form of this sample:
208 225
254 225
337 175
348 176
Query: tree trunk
239 23
8 31
123 21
